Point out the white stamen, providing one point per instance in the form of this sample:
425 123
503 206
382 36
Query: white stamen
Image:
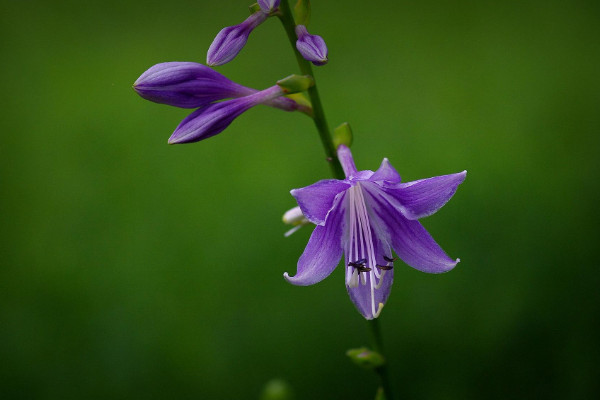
361 246
381 279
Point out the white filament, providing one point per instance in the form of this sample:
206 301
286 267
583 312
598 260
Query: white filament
361 246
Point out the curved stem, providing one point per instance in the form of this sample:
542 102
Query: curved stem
287 19
377 344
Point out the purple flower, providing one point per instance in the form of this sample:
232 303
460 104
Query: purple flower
365 216
230 40
268 5
208 121
186 85
312 47
193 85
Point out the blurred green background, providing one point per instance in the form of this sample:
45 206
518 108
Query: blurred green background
132 269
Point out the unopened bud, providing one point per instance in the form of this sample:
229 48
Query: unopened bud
342 135
311 47
366 358
296 83
268 6
296 218
232 39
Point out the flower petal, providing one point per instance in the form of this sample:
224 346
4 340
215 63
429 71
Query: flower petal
413 244
424 197
386 173
323 251
316 200
361 294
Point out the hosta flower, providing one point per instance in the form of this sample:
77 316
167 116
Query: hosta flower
366 216
193 85
208 121
312 47
232 39
186 85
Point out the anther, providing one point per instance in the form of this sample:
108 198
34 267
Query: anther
390 259
358 264
385 267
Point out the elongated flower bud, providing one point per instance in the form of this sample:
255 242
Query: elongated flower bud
312 47
214 118
230 41
268 5
186 85
193 85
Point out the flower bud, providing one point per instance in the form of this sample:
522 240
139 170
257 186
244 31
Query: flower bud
186 85
342 135
230 40
312 47
214 118
296 218
268 6
366 358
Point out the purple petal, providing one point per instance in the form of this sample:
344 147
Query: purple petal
316 200
268 5
323 251
230 40
413 244
186 85
311 47
386 173
424 197
361 295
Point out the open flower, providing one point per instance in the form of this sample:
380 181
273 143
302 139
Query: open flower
365 216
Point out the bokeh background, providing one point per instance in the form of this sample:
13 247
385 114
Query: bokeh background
132 269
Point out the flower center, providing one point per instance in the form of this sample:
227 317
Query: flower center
360 251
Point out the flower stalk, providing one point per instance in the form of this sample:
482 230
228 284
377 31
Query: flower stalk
382 371
287 20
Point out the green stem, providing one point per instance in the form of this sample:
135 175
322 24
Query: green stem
287 20
377 344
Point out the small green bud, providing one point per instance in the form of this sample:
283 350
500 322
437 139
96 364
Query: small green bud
295 83
302 12
254 8
276 389
380 395
342 135
366 358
